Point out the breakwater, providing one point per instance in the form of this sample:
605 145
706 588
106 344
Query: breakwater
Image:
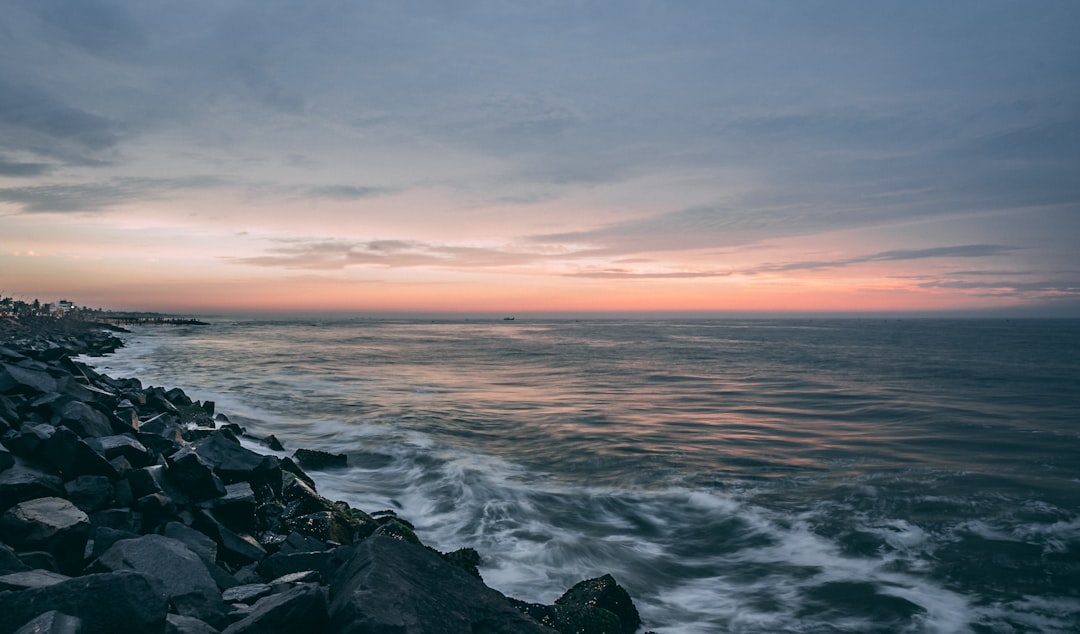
132 508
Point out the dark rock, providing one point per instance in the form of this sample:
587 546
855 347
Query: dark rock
279 564
180 624
39 560
123 445
71 456
195 477
593 606
234 548
111 603
237 507
83 419
284 582
16 379
90 492
177 397
465 558
233 463
31 579
273 443
51 524
165 443
105 537
315 459
397 530
119 519
247 593
9 561
6 459
324 525
187 583
287 464
301 609
23 482
295 542
52 622
198 542
391 585
30 439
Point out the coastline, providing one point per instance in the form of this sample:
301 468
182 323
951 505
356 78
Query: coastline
132 508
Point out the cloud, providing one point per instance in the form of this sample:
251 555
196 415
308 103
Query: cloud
96 197
23 168
340 254
957 251
343 192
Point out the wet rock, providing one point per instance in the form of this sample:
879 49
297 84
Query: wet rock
9 560
234 463
52 622
393 586
593 606
198 542
236 549
237 507
52 524
31 579
184 576
273 443
6 459
465 558
315 459
301 609
194 475
279 564
110 603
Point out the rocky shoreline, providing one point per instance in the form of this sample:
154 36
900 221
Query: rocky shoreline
130 508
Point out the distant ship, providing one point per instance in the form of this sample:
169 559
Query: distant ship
508 319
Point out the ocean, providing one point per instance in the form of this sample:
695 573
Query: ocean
813 475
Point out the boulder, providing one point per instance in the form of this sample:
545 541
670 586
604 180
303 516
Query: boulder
83 420
31 579
248 593
593 606
112 603
315 459
123 445
52 524
184 576
16 379
237 507
180 624
52 622
90 492
234 463
71 456
390 585
301 609
198 542
23 481
194 476
235 549
9 560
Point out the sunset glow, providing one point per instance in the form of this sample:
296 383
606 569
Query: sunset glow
718 157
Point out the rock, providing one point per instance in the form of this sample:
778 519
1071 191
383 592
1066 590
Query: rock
272 442
52 622
279 564
247 593
9 561
123 445
236 549
15 379
391 585
187 582
315 459
31 579
51 524
71 456
301 609
233 463
22 482
465 558
194 476
83 419
6 459
237 507
180 624
111 603
90 492
198 542
593 606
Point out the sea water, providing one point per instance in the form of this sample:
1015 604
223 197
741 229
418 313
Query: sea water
734 475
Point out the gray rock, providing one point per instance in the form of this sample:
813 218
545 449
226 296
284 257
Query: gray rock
6 459
111 603
90 492
24 481
247 593
391 585
198 542
194 475
83 420
9 561
301 609
51 524
123 445
52 622
31 579
180 624
316 459
15 379
184 576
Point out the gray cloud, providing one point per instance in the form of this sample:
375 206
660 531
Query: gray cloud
97 197
339 254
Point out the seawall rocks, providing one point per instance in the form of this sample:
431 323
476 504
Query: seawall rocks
130 508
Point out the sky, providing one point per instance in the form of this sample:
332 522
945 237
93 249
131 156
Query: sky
518 157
